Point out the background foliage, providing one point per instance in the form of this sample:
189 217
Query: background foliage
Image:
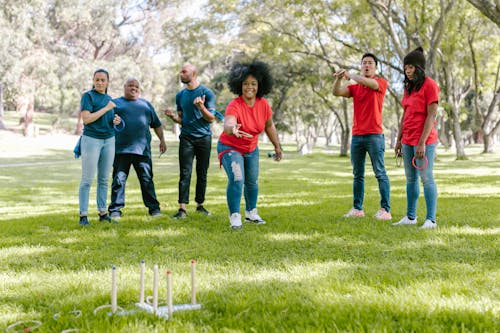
54 47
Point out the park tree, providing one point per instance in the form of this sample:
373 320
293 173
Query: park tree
489 8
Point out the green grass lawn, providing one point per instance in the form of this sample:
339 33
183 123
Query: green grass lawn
307 270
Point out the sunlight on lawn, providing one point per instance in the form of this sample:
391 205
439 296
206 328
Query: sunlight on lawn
477 171
471 189
158 233
290 237
466 230
14 251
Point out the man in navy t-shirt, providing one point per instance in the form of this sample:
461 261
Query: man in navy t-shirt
133 147
195 112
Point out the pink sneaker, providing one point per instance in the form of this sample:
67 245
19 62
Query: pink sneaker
382 214
355 213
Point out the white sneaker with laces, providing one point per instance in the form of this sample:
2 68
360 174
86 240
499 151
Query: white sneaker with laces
382 214
235 221
405 220
355 213
428 224
253 216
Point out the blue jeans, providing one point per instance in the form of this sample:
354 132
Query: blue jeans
374 145
143 167
241 170
412 186
189 148
97 156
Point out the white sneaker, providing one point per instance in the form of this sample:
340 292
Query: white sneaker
405 220
382 214
253 216
355 213
428 224
235 221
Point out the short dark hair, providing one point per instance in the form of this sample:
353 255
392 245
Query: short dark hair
370 55
258 69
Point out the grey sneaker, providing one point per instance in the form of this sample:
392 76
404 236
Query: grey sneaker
202 210
181 214
235 221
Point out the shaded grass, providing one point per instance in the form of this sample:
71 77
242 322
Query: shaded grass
307 270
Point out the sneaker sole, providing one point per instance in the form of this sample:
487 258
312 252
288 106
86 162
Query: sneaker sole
254 221
399 223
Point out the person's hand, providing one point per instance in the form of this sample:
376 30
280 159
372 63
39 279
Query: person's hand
169 113
237 133
117 120
278 154
199 102
420 151
398 149
163 147
342 74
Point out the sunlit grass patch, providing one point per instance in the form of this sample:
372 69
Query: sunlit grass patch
307 270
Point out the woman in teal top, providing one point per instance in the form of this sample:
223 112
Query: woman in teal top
97 144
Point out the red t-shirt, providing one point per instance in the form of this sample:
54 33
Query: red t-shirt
252 119
415 106
367 107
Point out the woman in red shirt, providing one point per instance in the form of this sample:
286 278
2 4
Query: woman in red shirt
417 138
247 116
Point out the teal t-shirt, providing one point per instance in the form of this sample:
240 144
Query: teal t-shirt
140 116
192 120
102 128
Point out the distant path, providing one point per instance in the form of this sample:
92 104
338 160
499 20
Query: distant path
11 165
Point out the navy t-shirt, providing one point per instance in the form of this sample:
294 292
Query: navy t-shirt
192 119
102 128
139 116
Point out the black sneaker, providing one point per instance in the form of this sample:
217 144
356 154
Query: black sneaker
84 221
104 218
181 214
200 209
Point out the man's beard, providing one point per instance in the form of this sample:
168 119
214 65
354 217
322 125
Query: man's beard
185 81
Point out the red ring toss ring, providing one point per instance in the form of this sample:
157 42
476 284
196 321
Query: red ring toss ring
426 162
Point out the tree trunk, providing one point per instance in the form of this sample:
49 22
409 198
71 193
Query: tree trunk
457 135
2 123
26 110
487 146
345 131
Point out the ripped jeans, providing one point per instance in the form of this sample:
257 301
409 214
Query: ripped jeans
242 173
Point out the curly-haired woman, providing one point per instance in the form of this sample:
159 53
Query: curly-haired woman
247 116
